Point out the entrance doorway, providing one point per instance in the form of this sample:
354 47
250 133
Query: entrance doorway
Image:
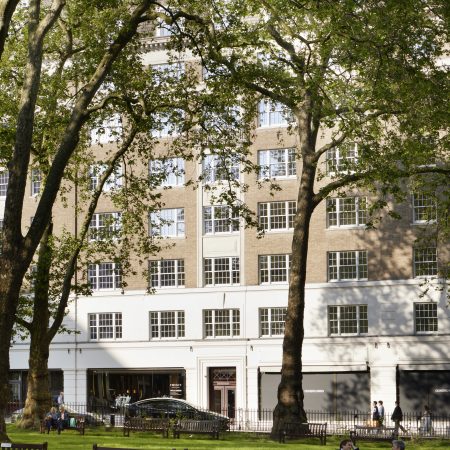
222 390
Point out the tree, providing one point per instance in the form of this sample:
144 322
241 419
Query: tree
345 73
140 103
87 60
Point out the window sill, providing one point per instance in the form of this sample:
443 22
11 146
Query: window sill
346 227
347 280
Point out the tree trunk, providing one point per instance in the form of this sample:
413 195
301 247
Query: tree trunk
38 400
290 406
10 282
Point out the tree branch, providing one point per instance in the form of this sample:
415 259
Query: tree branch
7 8
325 191
72 263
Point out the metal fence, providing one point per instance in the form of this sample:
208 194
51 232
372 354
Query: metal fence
260 421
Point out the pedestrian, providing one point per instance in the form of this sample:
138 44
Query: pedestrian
397 417
347 444
426 419
60 399
375 415
380 413
398 445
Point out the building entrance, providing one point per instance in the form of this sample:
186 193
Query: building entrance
222 390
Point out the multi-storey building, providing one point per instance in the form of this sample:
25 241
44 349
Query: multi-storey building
212 330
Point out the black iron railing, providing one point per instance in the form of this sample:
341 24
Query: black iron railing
253 420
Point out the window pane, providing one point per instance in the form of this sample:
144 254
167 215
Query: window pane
426 317
348 319
425 261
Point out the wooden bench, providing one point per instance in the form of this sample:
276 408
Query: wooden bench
188 426
79 426
304 430
147 424
15 446
366 433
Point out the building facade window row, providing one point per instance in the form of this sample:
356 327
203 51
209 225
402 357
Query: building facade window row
343 320
272 269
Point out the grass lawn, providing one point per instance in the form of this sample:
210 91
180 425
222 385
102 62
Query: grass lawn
71 440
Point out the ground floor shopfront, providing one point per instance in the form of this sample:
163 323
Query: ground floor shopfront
228 388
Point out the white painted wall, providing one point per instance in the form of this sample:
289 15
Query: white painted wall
390 341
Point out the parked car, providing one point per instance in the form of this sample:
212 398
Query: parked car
173 408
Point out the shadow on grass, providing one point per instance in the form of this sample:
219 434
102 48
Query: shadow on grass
71 440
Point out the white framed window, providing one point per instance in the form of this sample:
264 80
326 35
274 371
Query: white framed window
347 265
165 124
347 320
166 273
346 212
221 271
342 159
272 114
168 222
114 181
109 130
220 168
105 326
424 208
4 178
167 324
162 29
425 318
274 269
104 276
220 219
104 226
221 322
170 171
277 163
425 261
36 179
271 321
277 216
173 70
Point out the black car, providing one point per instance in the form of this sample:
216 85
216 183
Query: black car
173 408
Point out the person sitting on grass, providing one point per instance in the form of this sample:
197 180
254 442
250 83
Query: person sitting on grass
51 419
347 444
398 445
63 419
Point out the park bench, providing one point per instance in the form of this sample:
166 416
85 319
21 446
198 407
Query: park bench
294 430
367 433
146 424
15 446
79 426
189 426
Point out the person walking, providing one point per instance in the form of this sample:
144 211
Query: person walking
380 413
398 445
375 415
426 419
397 417
60 399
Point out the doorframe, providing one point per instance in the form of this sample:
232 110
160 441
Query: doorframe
203 366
